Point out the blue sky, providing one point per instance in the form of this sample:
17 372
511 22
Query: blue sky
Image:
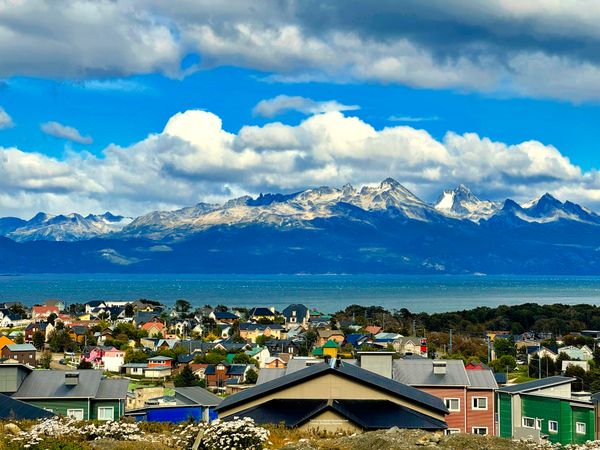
501 96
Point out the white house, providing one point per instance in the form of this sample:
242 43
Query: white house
113 360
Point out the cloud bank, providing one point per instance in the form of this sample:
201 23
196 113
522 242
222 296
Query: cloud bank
194 159
283 103
538 48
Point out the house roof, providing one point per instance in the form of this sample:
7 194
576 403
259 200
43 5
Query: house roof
51 384
300 309
21 347
330 344
248 326
261 312
112 389
348 371
160 358
419 372
223 315
198 395
482 379
270 374
13 409
536 385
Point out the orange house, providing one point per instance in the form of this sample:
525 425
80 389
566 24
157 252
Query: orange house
4 341
154 328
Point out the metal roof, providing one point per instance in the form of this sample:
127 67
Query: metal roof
51 384
270 374
198 395
482 379
113 389
21 347
13 409
536 384
354 372
419 372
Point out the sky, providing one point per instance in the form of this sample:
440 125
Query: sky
131 106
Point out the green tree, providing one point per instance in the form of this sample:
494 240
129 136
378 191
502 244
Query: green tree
51 318
20 339
504 347
129 311
59 341
579 374
503 363
183 306
262 340
45 359
84 365
242 358
135 356
38 339
251 376
186 377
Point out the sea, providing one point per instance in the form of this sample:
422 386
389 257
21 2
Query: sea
327 293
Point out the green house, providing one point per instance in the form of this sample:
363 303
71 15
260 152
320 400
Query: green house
545 409
84 394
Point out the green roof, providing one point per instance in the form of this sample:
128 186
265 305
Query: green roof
318 351
330 344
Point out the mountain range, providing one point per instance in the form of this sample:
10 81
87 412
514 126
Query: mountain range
373 229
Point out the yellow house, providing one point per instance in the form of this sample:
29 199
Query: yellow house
329 348
337 397
251 331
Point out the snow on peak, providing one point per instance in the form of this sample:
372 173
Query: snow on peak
462 203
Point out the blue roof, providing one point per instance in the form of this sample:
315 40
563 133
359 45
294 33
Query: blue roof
220 315
13 409
536 384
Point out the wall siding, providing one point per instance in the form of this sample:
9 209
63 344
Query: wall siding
95 404
454 419
505 415
61 406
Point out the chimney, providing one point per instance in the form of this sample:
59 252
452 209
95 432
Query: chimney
377 362
439 367
71 378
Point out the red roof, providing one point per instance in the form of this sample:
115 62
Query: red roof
39 310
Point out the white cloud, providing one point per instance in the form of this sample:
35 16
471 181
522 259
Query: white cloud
194 159
500 48
65 132
5 120
283 103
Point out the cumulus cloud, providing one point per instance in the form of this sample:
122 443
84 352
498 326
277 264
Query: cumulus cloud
5 120
502 46
195 159
65 132
283 103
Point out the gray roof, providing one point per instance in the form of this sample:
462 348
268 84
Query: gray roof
21 348
134 366
536 384
482 379
198 395
270 374
51 384
113 389
363 376
419 372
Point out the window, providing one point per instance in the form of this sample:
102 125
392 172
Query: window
452 431
76 414
479 430
480 403
553 426
538 424
528 422
580 427
453 404
106 413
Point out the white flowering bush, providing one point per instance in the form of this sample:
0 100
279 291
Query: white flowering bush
589 445
185 435
236 434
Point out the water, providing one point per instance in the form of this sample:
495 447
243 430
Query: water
329 293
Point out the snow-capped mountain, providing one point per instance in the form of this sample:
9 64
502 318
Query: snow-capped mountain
71 227
461 202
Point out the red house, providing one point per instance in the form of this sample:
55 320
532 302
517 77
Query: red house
468 394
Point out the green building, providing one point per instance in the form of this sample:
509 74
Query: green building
82 394
545 409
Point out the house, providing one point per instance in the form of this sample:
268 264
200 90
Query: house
256 314
288 346
194 403
160 361
154 328
223 317
577 354
113 359
4 341
357 340
468 394
55 302
42 327
274 362
545 408
78 333
84 394
330 335
336 397
251 331
541 352
373 329
296 314
217 375
12 320
13 409
22 353
41 313
328 349
94 304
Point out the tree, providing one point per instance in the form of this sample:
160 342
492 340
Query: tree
504 363
262 339
19 339
242 358
251 376
129 311
183 306
577 372
135 356
186 377
504 347
45 359
39 340
83 365
59 341
51 318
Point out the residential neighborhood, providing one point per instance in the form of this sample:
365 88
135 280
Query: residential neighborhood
105 360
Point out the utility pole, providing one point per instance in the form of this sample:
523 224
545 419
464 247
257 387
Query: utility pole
540 360
450 345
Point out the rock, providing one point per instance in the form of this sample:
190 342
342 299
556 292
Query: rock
393 430
423 440
435 438
12 429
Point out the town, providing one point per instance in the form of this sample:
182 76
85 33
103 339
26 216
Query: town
349 371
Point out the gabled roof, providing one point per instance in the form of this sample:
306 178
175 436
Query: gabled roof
300 309
13 409
260 312
198 396
348 371
21 348
248 326
419 372
224 315
51 384
536 385
482 379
